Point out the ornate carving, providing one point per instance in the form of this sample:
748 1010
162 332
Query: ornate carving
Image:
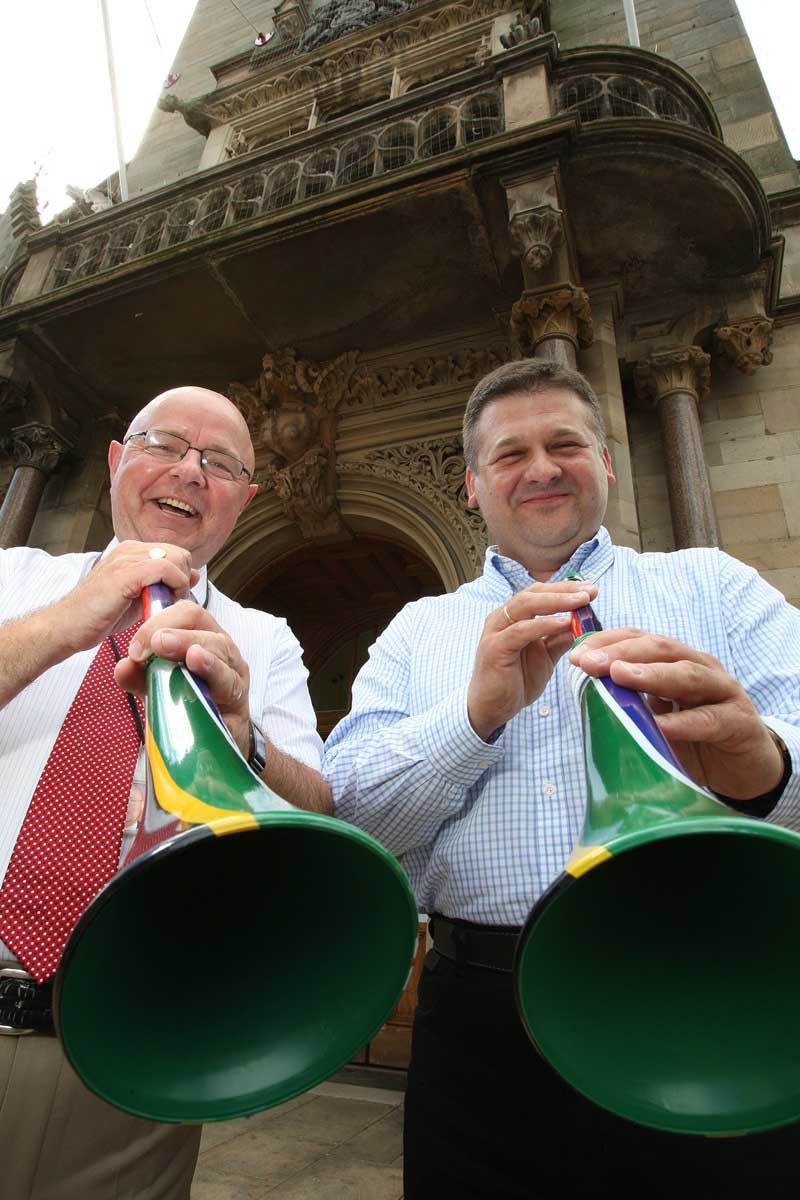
290 18
319 73
292 413
747 343
194 112
438 370
563 312
35 445
434 469
535 232
521 31
337 17
685 369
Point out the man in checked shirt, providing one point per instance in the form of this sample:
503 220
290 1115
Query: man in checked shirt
463 753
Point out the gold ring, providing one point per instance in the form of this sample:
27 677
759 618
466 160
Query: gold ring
508 616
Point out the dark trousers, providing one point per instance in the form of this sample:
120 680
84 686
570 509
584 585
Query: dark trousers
488 1119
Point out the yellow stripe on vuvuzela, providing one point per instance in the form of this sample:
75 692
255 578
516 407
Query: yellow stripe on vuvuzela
584 858
189 808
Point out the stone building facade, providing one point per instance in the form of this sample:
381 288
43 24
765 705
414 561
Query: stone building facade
345 227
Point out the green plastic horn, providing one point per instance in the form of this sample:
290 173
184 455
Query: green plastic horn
660 973
245 951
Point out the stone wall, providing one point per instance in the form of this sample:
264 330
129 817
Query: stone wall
170 149
708 39
751 430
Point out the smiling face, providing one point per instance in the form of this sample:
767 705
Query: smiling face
155 501
540 478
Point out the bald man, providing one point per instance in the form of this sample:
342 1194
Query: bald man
179 480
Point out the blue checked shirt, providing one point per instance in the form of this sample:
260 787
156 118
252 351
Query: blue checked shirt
483 829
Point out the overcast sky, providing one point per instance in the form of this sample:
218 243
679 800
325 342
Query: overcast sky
54 82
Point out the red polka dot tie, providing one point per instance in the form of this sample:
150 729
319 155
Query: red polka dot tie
69 844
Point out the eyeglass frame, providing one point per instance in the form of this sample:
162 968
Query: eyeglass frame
143 433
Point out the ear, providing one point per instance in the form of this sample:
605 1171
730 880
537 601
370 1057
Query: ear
251 491
115 451
472 495
610 476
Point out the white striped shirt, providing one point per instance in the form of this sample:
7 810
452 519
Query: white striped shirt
29 724
483 829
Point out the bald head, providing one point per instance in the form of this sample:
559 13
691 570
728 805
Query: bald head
197 402
166 499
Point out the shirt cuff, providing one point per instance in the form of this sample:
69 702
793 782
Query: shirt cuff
787 810
452 746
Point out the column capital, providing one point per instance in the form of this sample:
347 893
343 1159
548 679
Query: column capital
685 369
36 445
746 343
535 232
562 311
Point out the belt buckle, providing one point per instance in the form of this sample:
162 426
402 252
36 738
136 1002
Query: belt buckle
15 1030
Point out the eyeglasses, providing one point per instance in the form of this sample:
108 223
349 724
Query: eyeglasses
171 448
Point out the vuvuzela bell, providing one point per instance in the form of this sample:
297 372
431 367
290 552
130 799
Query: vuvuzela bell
246 950
660 972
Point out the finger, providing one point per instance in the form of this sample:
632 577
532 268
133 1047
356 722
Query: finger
526 604
516 637
598 651
708 724
130 676
226 685
690 683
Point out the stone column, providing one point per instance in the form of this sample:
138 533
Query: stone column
36 451
676 380
552 323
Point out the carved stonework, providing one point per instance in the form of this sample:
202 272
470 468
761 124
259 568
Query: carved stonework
686 369
747 343
561 313
407 379
291 412
434 469
194 113
535 233
35 445
290 19
521 31
336 18
322 71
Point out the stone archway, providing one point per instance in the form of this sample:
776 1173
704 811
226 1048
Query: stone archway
337 599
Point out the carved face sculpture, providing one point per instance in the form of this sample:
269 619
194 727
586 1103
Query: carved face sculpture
290 431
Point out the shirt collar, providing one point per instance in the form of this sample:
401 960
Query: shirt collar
199 592
591 560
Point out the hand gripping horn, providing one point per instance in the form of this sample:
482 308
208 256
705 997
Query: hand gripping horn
245 950
660 972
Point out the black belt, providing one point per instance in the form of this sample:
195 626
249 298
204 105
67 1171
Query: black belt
489 946
25 1006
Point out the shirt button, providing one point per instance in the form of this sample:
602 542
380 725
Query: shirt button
544 711
549 789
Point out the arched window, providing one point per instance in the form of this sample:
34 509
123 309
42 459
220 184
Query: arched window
148 239
398 146
212 211
247 197
480 118
282 186
438 133
319 173
356 160
120 244
91 260
180 222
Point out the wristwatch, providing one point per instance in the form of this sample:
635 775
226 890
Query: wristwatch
257 757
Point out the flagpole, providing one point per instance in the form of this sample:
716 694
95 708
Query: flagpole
112 79
630 21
